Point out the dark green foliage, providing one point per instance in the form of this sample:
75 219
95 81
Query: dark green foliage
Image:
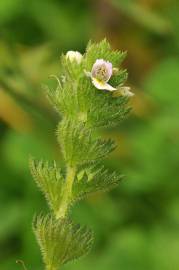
61 240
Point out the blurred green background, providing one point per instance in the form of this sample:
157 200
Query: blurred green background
137 224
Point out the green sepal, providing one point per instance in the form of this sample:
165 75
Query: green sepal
50 180
61 240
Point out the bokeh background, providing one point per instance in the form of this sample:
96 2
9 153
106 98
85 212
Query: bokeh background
137 224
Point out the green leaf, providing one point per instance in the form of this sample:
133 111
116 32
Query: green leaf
102 50
71 99
108 111
61 240
50 180
119 78
84 103
94 179
78 145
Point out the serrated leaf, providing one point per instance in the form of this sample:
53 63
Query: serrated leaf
108 111
79 146
61 240
92 180
83 103
53 94
50 180
72 99
119 78
102 50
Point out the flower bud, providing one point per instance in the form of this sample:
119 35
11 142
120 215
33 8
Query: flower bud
124 91
74 56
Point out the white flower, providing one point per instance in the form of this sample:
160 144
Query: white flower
100 74
74 56
124 91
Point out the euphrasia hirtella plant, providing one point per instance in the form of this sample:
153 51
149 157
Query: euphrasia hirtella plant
90 95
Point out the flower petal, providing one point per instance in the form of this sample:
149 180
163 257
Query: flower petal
102 85
102 70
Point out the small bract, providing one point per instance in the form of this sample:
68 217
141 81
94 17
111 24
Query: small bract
100 74
74 56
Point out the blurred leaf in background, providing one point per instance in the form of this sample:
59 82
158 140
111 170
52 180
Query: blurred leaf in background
136 225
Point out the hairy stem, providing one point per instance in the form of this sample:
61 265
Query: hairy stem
71 171
49 267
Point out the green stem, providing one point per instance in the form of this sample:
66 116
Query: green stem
51 268
67 192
